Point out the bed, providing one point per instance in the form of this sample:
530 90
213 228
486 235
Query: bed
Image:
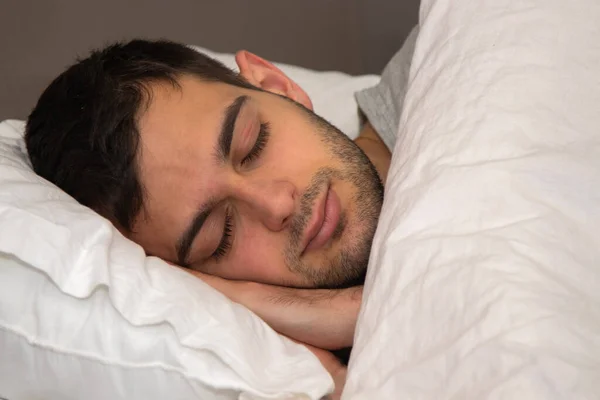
484 276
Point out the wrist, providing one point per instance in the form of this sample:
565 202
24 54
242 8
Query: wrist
348 304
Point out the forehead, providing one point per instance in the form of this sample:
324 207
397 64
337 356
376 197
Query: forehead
174 110
178 133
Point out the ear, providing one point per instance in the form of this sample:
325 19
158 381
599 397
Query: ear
262 74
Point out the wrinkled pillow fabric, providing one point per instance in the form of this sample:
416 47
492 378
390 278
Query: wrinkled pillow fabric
484 279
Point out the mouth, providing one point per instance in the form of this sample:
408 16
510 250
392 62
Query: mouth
324 220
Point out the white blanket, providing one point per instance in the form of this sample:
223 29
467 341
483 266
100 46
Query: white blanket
484 280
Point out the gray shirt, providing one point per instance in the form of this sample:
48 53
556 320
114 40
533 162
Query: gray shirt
382 104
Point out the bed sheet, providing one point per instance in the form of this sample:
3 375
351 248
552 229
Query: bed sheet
484 280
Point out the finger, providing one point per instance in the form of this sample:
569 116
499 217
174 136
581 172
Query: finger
336 369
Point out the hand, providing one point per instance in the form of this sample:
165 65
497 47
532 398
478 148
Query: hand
286 308
337 371
323 318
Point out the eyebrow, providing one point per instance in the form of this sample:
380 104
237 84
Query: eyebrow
227 128
223 149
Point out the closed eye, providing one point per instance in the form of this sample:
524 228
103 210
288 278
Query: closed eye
259 145
225 243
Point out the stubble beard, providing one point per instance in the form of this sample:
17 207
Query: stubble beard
354 236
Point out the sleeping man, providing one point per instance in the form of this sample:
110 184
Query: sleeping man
232 176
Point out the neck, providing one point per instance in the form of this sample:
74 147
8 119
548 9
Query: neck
375 149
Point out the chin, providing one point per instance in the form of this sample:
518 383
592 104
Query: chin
347 266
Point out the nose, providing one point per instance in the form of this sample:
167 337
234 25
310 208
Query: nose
272 201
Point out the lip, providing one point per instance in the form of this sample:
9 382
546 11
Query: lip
325 218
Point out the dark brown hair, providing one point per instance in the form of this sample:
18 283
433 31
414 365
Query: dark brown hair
83 136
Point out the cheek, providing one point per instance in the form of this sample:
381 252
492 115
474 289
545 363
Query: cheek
259 256
295 152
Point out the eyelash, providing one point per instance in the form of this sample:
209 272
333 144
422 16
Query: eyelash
225 243
259 146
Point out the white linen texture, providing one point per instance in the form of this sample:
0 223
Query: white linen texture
484 279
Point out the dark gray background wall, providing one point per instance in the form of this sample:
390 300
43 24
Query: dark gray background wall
39 38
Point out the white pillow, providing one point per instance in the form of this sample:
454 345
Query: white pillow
484 279
85 315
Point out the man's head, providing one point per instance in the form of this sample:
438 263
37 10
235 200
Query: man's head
230 174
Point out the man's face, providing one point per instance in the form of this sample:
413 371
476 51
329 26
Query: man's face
248 185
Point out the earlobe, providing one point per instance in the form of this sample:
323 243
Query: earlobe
264 75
